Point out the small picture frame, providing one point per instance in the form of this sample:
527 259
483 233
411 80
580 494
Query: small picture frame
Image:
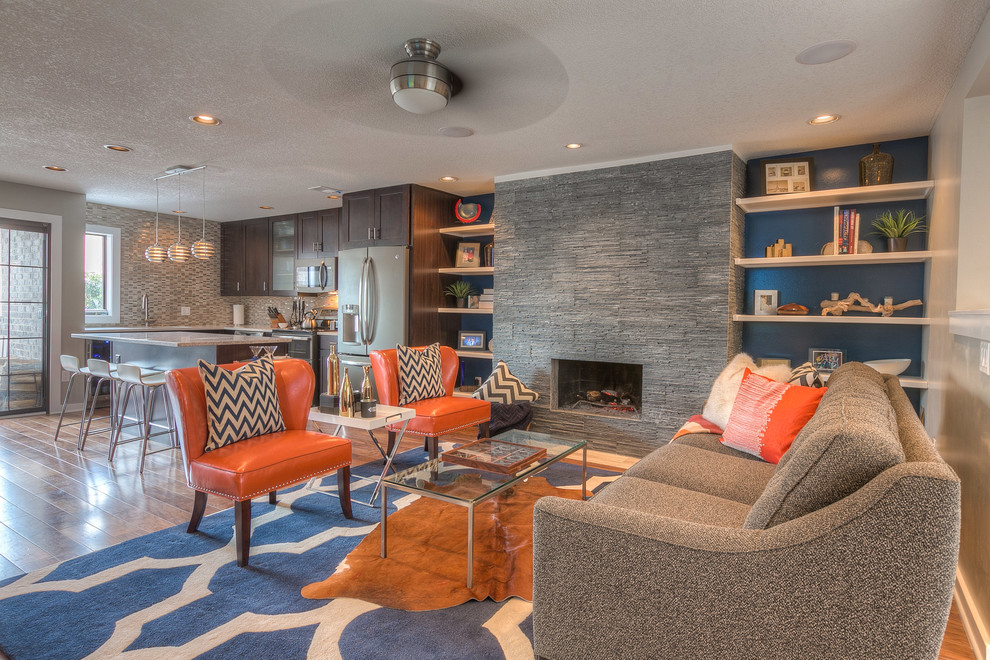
826 360
473 301
468 255
783 176
765 302
469 340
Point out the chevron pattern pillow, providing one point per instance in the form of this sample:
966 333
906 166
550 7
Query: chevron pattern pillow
503 387
240 404
420 376
806 375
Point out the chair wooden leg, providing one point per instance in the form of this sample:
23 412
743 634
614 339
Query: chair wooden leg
434 444
391 442
199 507
271 497
483 430
344 490
242 531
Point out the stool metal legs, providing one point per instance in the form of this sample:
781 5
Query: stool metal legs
146 411
65 401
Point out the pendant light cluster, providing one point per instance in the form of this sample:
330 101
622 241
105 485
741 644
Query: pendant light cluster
178 252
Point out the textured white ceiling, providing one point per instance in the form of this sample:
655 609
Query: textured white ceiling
302 88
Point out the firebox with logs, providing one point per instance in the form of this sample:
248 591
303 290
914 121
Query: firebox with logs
601 388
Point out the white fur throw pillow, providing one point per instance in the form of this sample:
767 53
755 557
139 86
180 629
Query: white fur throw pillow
726 386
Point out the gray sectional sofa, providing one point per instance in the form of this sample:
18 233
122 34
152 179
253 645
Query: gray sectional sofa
845 549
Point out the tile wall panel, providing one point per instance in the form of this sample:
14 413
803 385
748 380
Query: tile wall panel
626 264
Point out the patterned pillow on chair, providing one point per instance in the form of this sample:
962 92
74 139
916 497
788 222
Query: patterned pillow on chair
503 387
420 376
240 404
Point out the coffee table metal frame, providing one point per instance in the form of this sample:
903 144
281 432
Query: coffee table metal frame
436 466
385 415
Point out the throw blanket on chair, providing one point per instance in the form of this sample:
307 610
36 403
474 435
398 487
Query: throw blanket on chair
507 416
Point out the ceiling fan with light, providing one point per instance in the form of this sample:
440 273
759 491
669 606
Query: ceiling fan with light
420 84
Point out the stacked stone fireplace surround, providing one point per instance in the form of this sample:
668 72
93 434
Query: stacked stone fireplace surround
627 264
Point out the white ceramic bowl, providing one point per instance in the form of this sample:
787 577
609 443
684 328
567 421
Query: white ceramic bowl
893 366
286 325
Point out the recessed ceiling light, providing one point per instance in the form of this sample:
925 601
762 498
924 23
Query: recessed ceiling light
826 51
267 208
206 120
824 119
455 131
116 147
178 211
448 179
333 196
573 145
55 168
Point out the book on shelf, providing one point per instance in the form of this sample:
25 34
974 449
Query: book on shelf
845 230
488 292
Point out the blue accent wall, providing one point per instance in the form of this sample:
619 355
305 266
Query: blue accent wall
475 367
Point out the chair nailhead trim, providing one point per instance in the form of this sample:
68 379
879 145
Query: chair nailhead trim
396 427
269 489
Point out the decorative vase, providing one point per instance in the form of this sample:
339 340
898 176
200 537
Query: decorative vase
369 405
462 302
346 396
876 169
897 244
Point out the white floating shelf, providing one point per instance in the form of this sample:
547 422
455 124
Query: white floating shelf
817 318
463 310
480 270
873 258
482 355
893 192
467 231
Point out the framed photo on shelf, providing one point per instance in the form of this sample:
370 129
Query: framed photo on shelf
470 340
787 175
468 255
765 302
826 360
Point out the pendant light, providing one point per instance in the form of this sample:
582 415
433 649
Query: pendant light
177 251
203 249
155 253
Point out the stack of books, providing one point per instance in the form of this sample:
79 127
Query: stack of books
845 230
487 299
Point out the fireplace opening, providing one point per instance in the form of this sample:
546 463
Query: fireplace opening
613 389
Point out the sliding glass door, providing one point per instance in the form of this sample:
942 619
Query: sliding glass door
24 314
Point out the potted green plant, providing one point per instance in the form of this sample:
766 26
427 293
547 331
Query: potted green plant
896 227
460 290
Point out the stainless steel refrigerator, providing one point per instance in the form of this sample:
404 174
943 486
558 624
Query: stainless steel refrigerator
372 303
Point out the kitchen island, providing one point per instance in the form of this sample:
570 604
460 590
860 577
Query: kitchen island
174 350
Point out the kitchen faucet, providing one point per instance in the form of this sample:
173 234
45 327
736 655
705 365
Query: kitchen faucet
145 308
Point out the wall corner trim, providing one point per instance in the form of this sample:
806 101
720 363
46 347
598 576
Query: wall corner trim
973 624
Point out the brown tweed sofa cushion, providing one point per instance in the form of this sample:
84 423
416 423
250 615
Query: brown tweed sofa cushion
659 499
852 438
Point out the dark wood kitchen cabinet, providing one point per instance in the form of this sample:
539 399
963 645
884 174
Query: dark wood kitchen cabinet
232 259
376 217
257 257
316 234
282 261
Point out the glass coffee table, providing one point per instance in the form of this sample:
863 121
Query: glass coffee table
444 481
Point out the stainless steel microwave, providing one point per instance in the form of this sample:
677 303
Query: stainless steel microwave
316 275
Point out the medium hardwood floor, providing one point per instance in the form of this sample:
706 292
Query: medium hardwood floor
57 503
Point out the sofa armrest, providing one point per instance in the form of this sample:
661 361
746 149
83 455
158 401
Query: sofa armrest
870 576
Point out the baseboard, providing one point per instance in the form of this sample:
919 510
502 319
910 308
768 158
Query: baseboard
973 624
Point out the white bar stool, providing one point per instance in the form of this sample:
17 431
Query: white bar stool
102 371
70 363
148 382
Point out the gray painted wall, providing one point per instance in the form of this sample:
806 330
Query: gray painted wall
626 264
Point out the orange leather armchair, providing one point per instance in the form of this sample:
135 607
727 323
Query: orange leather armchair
434 417
259 465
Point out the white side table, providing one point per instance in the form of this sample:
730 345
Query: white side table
386 415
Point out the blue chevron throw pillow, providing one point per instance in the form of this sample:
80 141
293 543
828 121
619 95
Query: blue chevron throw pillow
240 404
503 387
420 376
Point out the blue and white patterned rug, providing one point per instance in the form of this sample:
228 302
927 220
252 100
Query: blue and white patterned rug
182 595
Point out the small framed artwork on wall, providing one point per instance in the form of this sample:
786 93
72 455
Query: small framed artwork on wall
765 302
788 175
826 360
468 255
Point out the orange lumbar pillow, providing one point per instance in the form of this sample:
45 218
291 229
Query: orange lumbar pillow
768 415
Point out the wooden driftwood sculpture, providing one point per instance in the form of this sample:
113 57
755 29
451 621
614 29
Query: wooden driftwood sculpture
857 303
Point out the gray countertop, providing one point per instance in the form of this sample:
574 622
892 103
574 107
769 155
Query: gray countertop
173 328
179 338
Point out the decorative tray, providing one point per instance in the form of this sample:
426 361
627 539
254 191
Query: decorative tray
494 455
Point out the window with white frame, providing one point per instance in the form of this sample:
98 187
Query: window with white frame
101 270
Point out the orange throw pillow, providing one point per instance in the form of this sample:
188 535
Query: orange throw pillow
768 415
